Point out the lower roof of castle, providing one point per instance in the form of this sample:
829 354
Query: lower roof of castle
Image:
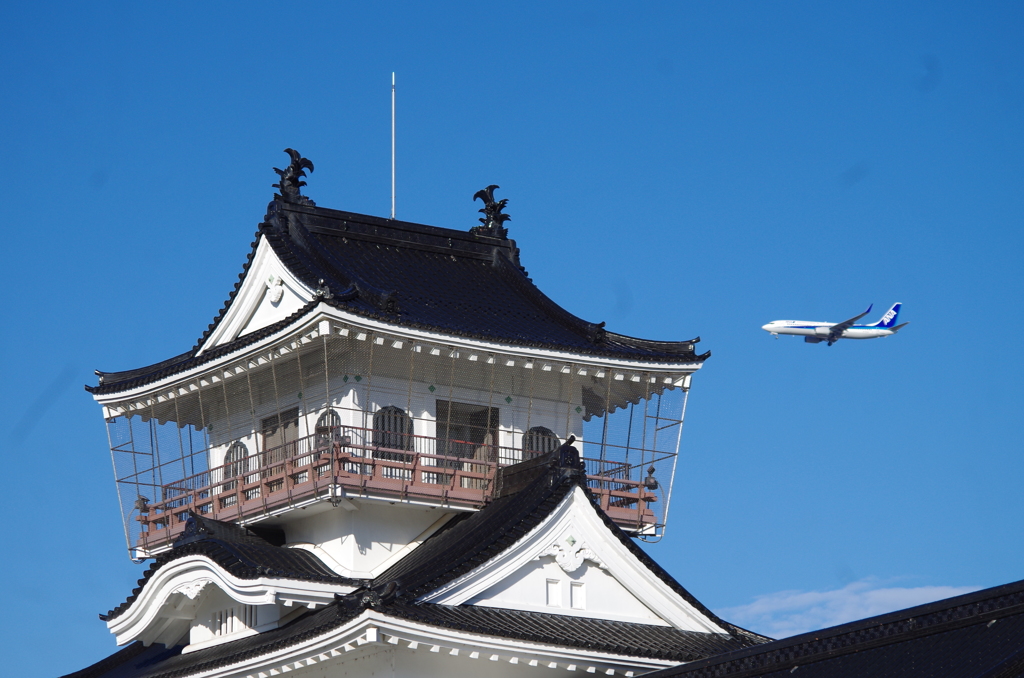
976 635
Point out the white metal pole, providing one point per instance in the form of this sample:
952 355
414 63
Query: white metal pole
675 459
392 144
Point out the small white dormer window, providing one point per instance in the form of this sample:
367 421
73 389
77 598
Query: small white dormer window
234 619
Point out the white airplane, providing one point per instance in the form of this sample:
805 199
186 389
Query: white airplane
817 332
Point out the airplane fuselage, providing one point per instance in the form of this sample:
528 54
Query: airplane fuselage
816 332
820 330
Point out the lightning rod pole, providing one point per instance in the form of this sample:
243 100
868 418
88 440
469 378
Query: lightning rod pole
392 144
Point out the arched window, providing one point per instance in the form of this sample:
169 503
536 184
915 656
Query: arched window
539 440
236 462
392 429
328 428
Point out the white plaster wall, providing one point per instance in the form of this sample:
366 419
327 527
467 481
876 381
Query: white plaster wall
552 406
268 312
357 401
365 540
605 597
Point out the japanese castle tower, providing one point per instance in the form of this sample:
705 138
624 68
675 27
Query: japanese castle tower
391 454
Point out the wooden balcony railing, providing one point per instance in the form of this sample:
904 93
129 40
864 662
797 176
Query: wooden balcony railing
346 463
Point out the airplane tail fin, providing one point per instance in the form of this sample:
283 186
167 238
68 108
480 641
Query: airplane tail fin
888 321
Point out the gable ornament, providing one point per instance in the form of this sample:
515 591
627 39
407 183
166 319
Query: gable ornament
193 588
570 555
275 288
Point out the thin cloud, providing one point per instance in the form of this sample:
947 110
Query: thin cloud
788 613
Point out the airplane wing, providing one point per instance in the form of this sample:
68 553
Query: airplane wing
837 330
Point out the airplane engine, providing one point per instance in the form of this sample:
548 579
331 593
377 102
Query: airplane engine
813 340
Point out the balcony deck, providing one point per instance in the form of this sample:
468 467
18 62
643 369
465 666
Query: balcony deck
346 465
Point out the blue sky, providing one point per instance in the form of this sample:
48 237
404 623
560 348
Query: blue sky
674 169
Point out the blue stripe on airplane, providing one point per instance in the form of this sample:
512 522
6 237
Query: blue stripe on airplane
851 327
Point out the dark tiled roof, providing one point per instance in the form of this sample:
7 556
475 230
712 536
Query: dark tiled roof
978 635
240 552
415 276
112 382
122 663
305 627
444 556
460 546
472 539
622 638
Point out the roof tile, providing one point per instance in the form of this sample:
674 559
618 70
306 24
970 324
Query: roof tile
414 276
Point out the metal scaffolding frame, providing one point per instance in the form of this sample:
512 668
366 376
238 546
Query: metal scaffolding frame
335 410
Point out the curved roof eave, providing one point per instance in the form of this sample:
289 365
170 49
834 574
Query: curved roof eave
122 382
304 255
143 380
241 561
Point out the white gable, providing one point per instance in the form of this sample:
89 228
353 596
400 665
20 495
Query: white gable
177 590
573 552
586 591
269 293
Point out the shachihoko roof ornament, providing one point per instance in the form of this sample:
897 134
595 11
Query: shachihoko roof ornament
492 219
290 182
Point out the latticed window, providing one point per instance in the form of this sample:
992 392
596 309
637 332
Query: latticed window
236 462
466 430
328 428
280 432
233 620
540 440
392 428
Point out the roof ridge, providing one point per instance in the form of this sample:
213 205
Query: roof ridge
198 528
329 267
370 282
406 227
485 540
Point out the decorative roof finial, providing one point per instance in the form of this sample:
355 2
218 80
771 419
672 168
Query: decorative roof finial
290 183
492 218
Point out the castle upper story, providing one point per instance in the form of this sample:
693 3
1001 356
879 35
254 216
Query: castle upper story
365 366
